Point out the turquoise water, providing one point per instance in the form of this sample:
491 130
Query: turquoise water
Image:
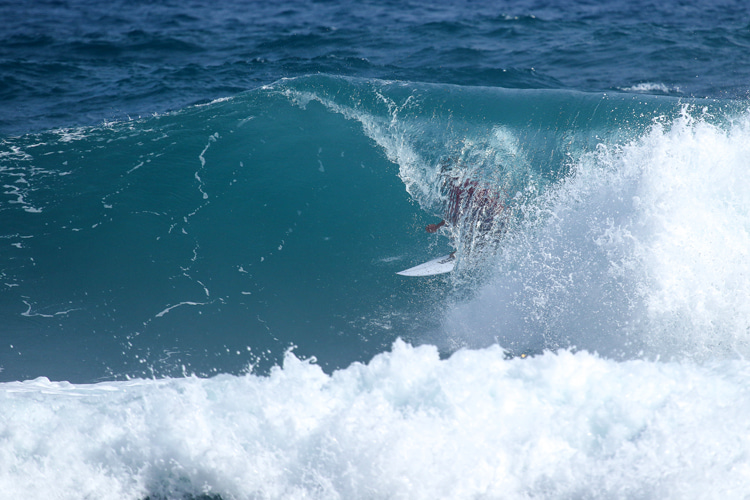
219 236
204 207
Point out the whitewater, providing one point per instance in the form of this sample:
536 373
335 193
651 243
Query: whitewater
406 425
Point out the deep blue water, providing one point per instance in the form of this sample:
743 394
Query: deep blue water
80 63
198 195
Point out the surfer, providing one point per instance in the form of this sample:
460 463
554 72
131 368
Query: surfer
469 197
478 213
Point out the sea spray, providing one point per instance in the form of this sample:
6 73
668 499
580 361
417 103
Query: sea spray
642 250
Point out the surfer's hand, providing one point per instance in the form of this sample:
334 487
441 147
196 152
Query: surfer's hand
432 228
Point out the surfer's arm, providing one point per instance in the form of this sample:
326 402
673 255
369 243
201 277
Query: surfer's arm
432 228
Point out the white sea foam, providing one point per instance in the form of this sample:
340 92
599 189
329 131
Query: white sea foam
649 87
407 425
643 250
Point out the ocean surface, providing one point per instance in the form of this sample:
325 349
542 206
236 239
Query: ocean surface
203 207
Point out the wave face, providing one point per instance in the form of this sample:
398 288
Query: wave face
221 235
590 343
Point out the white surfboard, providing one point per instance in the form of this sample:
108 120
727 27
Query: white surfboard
440 265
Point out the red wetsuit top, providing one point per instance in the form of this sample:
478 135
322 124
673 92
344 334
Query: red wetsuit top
468 198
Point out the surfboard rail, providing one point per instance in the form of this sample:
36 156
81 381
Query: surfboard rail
440 265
